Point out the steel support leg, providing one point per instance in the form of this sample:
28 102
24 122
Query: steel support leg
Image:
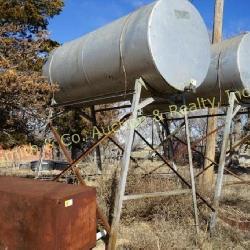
191 169
124 170
231 112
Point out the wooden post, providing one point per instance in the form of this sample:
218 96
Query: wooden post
124 171
207 180
219 182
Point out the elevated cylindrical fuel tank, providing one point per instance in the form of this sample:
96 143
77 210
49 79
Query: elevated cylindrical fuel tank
229 71
166 43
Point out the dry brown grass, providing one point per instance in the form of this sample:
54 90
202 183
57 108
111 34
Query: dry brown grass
167 223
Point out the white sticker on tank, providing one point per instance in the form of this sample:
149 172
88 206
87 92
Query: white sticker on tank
182 14
69 203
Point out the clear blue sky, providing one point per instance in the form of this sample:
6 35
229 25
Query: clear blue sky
82 16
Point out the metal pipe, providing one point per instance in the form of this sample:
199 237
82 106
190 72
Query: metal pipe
101 234
156 194
166 43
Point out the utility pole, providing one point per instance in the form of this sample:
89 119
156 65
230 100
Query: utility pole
208 176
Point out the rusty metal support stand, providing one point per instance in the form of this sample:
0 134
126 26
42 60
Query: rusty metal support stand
92 148
122 149
110 138
100 214
176 172
213 163
231 112
227 170
195 143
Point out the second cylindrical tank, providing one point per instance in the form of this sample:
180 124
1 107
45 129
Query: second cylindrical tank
229 71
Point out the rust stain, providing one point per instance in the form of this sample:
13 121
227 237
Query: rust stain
46 215
242 224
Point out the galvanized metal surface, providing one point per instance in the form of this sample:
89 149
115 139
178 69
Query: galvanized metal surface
165 42
191 171
39 215
229 69
119 197
222 161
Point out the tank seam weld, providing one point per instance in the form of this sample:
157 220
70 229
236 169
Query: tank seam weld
121 53
82 60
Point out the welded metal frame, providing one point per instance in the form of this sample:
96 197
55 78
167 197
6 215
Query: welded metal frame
100 214
224 152
206 116
127 156
121 197
136 106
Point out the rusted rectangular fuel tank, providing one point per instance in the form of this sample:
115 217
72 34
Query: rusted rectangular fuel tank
37 215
